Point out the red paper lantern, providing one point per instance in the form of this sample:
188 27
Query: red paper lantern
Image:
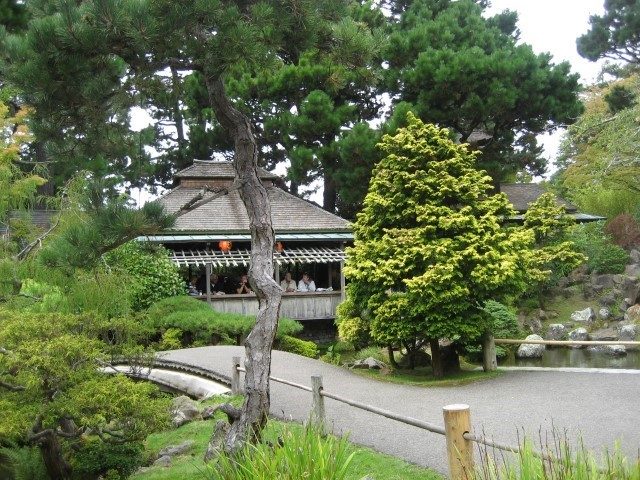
225 245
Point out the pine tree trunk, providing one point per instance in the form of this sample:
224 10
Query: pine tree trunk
436 358
57 466
259 342
329 194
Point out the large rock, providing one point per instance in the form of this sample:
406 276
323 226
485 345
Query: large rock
578 335
183 410
604 280
528 350
370 363
533 324
556 331
634 256
631 289
604 334
584 316
628 333
632 314
164 461
175 450
604 313
608 299
632 270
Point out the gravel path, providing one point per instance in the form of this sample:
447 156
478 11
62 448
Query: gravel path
601 407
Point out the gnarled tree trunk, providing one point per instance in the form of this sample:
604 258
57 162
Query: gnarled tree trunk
254 195
51 450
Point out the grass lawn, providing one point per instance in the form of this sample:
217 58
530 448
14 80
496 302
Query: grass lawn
422 376
191 466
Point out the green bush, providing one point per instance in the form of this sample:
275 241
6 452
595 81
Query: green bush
23 463
297 346
504 324
356 331
97 459
153 275
200 323
306 453
603 255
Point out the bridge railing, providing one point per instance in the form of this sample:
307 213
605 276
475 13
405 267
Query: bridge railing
456 428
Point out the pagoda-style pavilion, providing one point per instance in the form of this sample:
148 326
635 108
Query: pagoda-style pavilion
211 233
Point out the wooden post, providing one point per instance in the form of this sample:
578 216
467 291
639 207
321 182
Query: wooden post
317 411
235 376
457 422
343 290
489 355
207 270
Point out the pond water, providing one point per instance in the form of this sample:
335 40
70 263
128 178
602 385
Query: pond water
577 358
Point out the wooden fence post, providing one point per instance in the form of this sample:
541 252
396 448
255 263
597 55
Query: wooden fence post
317 411
235 376
457 422
489 355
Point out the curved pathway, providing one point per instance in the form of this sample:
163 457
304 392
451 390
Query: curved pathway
601 407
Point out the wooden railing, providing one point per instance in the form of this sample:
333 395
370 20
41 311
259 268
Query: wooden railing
456 428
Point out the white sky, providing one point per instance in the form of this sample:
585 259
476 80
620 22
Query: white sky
548 26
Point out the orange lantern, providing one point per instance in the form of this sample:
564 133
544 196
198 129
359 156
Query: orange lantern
225 245
279 247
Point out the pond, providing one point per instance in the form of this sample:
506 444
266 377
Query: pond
576 358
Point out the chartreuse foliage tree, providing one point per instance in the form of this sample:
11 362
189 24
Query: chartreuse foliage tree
556 255
470 74
430 247
53 394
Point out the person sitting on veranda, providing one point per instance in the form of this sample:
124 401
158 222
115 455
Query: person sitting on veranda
306 284
243 287
192 287
217 284
288 284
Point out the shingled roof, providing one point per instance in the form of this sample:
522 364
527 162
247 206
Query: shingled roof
216 169
521 195
227 214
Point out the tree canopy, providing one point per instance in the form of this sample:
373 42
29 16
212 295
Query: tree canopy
429 245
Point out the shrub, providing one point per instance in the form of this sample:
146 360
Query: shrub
115 461
153 275
302 453
297 346
24 463
624 230
202 324
504 324
603 255
356 331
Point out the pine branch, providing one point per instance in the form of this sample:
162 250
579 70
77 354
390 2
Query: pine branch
198 200
10 387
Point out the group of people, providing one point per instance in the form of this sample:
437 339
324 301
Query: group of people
304 285
220 285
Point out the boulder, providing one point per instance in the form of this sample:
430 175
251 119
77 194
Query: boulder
533 324
584 316
183 410
632 314
604 334
208 412
556 331
163 461
631 289
578 335
608 300
370 363
528 350
618 279
632 270
615 350
604 313
604 280
628 332
634 256
176 450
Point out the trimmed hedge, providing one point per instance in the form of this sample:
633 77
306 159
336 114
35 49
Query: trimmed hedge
295 345
201 324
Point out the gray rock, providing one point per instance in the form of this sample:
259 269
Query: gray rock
183 410
370 363
618 279
632 270
615 350
634 256
604 313
628 333
163 461
578 335
556 331
631 289
608 300
584 316
176 450
533 324
604 334
528 350
604 280
208 412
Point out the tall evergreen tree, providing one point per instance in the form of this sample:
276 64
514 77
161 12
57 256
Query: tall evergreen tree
469 73
83 62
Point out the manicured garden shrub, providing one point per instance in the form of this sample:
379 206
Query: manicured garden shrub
624 230
351 327
107 460
295 345
504 324
203 325
153 275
